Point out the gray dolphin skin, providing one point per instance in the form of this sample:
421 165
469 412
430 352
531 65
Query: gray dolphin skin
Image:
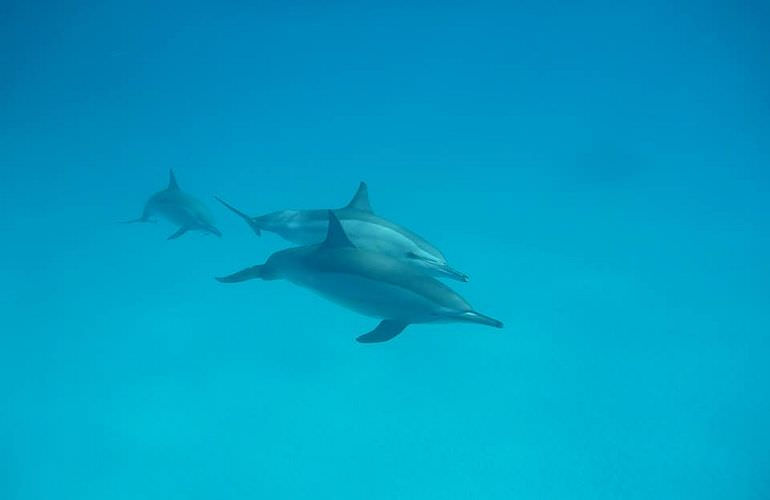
370 283
365 229
180 208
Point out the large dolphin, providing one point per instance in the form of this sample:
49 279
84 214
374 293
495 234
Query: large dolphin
365 229
180 208
368 282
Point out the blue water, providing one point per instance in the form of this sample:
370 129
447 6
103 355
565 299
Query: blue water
600 171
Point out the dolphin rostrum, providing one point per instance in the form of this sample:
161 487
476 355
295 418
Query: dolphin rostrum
365 229
182 209
368 282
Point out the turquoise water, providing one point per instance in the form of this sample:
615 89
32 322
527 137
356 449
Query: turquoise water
601 172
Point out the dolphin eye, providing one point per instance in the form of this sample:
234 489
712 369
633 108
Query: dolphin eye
411 255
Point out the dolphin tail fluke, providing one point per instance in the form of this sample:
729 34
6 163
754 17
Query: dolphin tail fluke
476 317
386 330
250 273
249 219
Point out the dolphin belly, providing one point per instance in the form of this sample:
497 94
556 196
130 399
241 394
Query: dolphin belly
178 215
307 232
370 297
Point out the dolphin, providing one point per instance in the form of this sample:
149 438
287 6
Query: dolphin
365 229
371 283
182 209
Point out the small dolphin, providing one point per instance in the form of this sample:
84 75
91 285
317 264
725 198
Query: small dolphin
182 209
365 229
368 282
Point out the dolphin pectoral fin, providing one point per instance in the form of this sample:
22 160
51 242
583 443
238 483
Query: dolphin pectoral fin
250 273
213 230
249 219
386 330
179 233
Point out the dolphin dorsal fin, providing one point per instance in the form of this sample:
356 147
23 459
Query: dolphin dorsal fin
172 185
360 200
335 236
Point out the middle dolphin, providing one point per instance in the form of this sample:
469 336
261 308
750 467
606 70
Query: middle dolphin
365 229
368 282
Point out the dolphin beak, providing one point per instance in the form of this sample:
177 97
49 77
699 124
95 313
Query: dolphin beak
476 317
214 230
455 274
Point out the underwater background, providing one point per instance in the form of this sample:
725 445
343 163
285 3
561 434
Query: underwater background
600 171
